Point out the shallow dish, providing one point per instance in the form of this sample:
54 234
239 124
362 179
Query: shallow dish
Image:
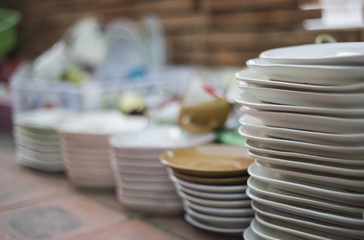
250 235
270 233
222 212
208 160
212 180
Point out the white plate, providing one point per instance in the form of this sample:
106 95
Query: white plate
267 190
352 152
160 186
221 212
161 137
40 157
309 223
269 233
292 229
144 177
311 74
198 224
141 170
138 153
209 188
50 167
250 101
40 148
37 133
302 165
38 138
255 148
259 79
222 222
209 195
255 124
304 98
127 162
302 211
250 235
344 53
309 122
309 189
216 203
172 195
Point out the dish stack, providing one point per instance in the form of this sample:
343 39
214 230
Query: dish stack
37 141
304 124
85 146
211 181
142 182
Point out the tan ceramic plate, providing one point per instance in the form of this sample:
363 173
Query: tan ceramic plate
208 160
212 180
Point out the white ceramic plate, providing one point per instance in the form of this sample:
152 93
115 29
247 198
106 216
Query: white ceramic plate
216 203
306 222
311 74
255 148
309 122
161 137
138 153
250 101
127 162
304 188
302 211
159 186
222 212
209 188
255 124
344 53
36 147
40 157
144 177
172 195
304 98
222 222
292 229
39 140
36 133
250 235
352 152
270 233
267 190
259 79
50 167
198 224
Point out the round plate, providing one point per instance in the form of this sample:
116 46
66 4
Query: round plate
212 181
222 212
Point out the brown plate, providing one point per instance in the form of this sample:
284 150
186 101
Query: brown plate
213 180
209 160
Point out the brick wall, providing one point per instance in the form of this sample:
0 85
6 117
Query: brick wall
203 32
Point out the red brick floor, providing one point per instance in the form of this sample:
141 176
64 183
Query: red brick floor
36 205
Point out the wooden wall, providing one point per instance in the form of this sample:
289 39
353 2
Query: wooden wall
202 32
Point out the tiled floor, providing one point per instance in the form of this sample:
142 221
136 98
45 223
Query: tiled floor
36 205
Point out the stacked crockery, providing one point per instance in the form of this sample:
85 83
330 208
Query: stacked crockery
36 138
85 146
142 181
211 181
304 124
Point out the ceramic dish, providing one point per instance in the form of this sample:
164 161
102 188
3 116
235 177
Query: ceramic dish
159 186
40 148
313 123
41 157
142 170
304 188
222 212
86 165
344 53
209 188
144 177
254 147
51 167
304 98
165 195
212 180
292 229
208 160
222 222
36 133
159 137
35 141
302 211
149 163
215 203
250 235
311 74
268 191
256 125
250 101
200 225
137 154
269 233
259 79
306 222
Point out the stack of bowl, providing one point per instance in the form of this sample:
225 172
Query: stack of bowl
37 141
142 181
304 124
85 145
211 181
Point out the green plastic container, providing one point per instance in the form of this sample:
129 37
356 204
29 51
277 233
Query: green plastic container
8 37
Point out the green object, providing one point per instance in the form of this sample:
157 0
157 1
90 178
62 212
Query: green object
8 38
131 102
230 137
324 37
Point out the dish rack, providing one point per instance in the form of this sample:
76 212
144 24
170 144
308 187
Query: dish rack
30 93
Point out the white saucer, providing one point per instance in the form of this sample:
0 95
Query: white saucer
269 233
250 235
222 212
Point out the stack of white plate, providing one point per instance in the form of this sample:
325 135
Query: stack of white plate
142 181
211 181
85 145
36 138
304 124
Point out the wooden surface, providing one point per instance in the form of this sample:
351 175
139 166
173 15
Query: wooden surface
203 32
36 205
